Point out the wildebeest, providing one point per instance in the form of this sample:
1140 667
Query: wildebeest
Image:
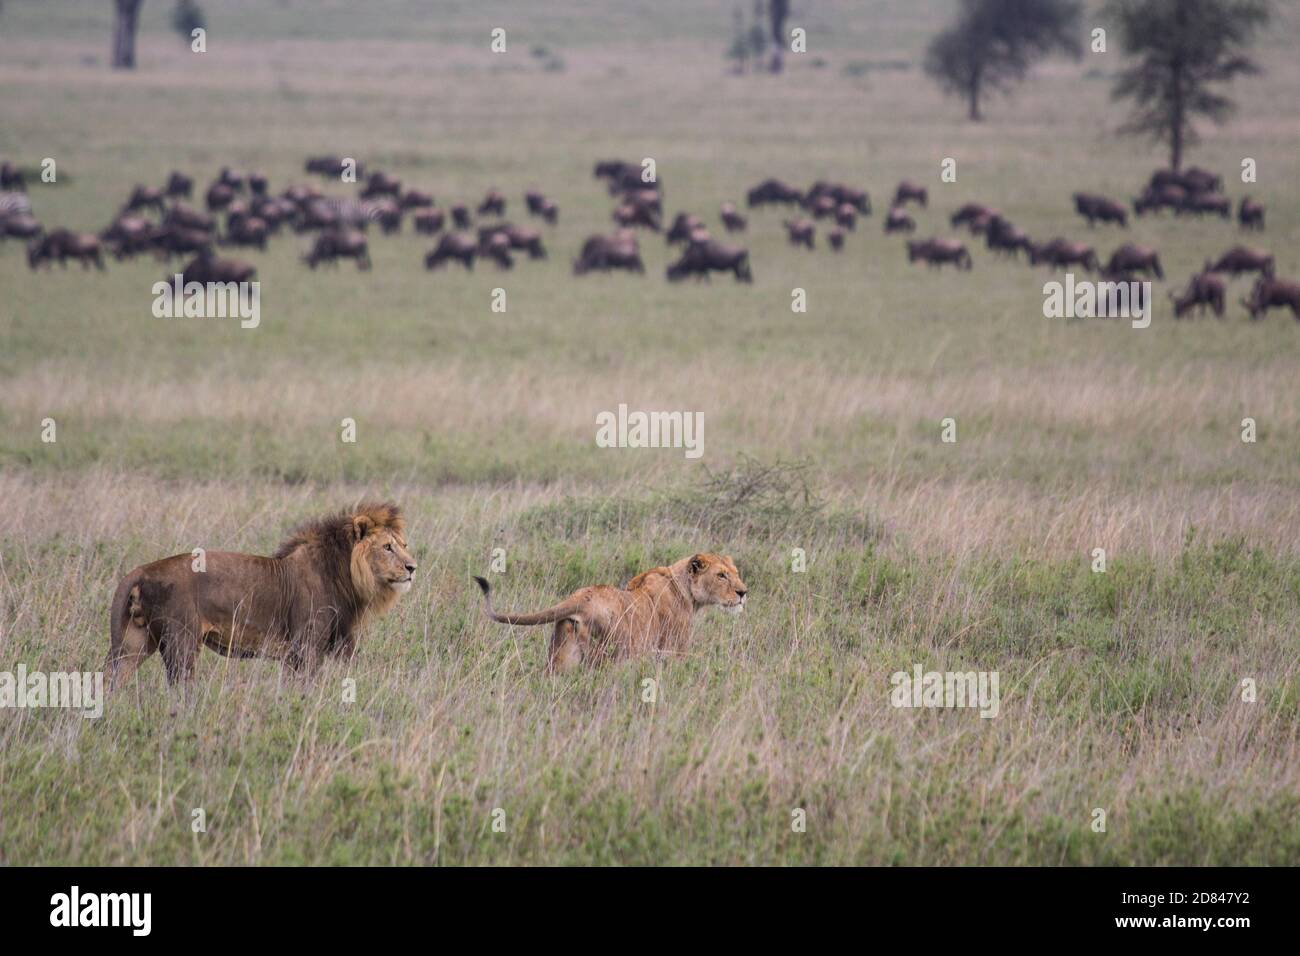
898 221
632 179
909 191
972 212
800 232
683 225
331 166
936 252
207 268
1061 252
11 177
539 205
299 194
316 214
1269 292
1198 204
142 196
1205 288
1155 198
171 239
429 221
496 246
1096 209
178 184
846 216
612 168
1241 259
128 235
839 193
836 238
493 204
1190 179
517 237
20 225
187 217
1130 258
732 220
631 214
246 231
1250 214
416 199
63 244
379 183
228 177
701 258
219 196
460 216
602 253
821 206
773 191
257 184
453 245
339 244
1004 238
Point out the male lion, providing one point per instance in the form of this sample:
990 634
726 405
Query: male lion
309 600
653 613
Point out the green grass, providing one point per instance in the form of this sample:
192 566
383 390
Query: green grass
1120 691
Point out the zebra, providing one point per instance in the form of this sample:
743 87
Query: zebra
14 204
359 213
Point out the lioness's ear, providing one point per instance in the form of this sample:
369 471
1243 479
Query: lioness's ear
697 564
361 524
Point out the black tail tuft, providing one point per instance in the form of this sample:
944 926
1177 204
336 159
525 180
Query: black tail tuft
482 583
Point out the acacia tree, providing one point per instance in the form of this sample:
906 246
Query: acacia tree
994 43
1184 48
125 22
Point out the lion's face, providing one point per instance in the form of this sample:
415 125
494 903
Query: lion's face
715 580
384 552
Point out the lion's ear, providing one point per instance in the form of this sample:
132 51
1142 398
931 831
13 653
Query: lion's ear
697 564
361 525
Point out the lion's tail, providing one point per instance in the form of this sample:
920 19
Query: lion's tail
557 613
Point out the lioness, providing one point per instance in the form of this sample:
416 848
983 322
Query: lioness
653 613
310 599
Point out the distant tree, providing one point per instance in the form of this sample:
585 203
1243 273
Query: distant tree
125 23
188 17
994 43
1184 48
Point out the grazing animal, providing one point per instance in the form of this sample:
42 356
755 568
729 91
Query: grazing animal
257 184
838 193
379 183
496 246
128 235
971 212
493 204
1250 214
20 225
602 253
207 268
429 221
1062 252
219 196
228 177
635 214
460 216
909 191
1198 204
338 244
539 205
1269 292
683 225
1099 209
146 196
246 231
310 600
453 245
846 216
613 168
1155 198
11 177
732 220
836 238
935 252
773 191
898 221
701 258
822 206
187 217
171 239
800 232
653 614
1130 258
1204 289
1004 238
63 245
416 199
517 237
178 184
1241 259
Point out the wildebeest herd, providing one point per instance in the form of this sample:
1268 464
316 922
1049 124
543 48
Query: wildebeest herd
241 211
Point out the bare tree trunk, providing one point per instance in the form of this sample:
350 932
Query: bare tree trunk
780 9
124 28
973 95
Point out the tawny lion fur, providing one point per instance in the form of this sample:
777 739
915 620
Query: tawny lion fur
310 599
653 613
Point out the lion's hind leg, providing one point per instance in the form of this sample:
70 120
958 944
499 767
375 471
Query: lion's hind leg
567 647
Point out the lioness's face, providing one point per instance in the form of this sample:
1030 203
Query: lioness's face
389 560
715 580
